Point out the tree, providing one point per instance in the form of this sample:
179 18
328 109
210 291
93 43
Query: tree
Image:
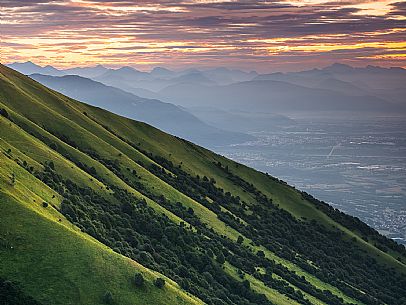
261 253
45 204
240 239
138 280
51 165
3 112
13 179
159 282
184 283
220 258
53 146
108 298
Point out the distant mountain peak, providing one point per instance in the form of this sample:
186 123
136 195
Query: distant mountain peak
29 67
127 69
160 69
339 68
161 72
25 63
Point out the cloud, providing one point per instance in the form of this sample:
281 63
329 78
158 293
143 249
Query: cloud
262 34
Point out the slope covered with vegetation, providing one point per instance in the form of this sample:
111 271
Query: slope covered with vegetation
89 200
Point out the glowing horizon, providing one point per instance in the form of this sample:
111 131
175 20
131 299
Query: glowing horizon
260 35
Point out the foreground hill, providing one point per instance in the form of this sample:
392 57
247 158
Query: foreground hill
89 199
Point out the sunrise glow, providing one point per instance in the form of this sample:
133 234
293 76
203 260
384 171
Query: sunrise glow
266 35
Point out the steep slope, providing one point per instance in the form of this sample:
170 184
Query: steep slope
49 258
165 116
226 233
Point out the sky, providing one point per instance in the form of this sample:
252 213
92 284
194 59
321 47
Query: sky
251 35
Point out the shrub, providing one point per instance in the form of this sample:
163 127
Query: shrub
51 165
138 280
53 146
240 239
159 282
184 283
45 204
3 112
220 258
108 298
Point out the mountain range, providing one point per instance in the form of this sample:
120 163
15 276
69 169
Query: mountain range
165 116
273 96
96 208
337 88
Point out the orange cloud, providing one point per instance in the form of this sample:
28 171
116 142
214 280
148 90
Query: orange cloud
255 34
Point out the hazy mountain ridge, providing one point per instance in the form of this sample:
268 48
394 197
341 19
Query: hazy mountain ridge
165 116
242 121
158 77
337 89
370 80
272 96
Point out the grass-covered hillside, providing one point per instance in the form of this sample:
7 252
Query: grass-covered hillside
99 209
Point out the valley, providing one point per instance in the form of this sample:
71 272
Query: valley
357 165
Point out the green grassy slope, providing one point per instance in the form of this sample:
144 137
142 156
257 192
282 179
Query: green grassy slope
54 261
103 152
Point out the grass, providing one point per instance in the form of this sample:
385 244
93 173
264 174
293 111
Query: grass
58 264
258 286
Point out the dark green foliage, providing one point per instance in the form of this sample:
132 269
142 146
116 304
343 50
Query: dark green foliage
4 113
53 146
108 298
45 204
137 231
11 294
220 258
240 240
159 244
51 165
278 231
12 179
184 283
159 282
138 280
355 224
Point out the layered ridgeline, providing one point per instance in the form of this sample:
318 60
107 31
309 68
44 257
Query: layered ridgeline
99 209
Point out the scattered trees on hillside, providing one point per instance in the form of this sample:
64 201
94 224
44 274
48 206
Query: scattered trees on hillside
137 231
159 282
4 113
138 280
12 179
11 294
